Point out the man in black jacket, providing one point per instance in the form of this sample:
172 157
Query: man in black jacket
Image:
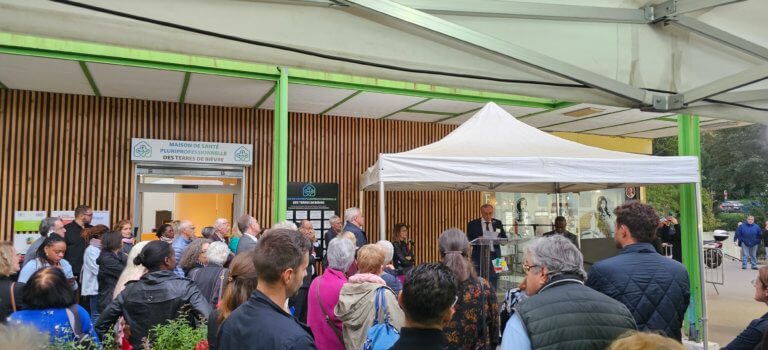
263 322
488 227
75 243
428 296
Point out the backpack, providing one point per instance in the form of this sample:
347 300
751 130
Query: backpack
381 335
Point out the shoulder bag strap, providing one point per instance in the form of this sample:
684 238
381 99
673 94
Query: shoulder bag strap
384 310
74 320
13 297
328 320
222 277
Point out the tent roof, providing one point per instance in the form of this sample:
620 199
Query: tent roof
494 151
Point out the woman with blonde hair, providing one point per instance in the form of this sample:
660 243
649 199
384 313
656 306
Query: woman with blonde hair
10 291
239 286
475 324
357 300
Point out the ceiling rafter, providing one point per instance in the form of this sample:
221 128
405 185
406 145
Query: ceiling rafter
184 88
337 104
261 100
89 77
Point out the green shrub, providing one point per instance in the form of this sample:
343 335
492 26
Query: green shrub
730 220
177 334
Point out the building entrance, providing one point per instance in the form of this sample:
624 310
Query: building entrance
164 193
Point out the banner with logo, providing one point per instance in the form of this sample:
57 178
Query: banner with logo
313 201
172 151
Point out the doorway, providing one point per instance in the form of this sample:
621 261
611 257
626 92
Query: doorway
164 193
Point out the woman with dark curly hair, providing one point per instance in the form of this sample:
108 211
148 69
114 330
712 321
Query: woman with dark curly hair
194 256
50 253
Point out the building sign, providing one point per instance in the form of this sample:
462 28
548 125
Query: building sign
191 152
315 202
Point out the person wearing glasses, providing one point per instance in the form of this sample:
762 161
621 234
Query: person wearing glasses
750 337
75 243
428 300
561 312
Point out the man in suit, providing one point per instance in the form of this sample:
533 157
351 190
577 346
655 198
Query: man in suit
486 226
560 225
250 228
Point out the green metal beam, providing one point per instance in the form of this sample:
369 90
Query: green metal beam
429 112
405 108
89 77
265 97
341 102
28 45
280 142
688 143
184 86
458 114
2 86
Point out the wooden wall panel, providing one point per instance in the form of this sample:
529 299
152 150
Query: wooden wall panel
339 149
59 151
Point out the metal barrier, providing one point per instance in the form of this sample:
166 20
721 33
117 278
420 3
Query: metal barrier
713 267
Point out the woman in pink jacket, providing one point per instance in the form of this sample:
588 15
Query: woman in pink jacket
324 295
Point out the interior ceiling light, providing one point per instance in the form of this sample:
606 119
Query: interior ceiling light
579 113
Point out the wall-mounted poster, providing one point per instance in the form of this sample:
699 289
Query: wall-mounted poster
66 216
101 217
25 227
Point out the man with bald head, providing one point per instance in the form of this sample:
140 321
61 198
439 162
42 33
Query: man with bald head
186 234
299 301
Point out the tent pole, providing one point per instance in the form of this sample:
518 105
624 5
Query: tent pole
691 229
702 280
382 212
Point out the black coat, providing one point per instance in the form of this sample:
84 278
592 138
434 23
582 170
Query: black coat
75 246
6 307
210 281
673 237
111 265
402 250
152 300
259 322
474 231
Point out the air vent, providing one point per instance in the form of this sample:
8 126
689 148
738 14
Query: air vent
580 113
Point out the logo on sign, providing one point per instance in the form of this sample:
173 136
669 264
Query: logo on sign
309 190
242 154
142 150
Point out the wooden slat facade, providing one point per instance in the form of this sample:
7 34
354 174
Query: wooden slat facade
61 150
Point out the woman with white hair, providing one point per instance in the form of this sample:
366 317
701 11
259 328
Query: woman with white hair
389 275
324 295
210 279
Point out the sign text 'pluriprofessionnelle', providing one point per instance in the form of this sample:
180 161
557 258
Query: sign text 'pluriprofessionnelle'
191 152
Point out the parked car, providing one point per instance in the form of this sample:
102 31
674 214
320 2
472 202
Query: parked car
732 207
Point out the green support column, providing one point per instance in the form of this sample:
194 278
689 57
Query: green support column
280 142
689 145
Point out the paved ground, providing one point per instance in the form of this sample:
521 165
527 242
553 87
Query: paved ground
732 310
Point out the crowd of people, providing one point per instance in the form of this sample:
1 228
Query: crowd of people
278 289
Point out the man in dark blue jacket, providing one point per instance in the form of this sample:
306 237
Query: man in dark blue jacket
748 238
281 257
654 288
488 227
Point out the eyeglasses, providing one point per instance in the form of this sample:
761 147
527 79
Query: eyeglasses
527 267
455 301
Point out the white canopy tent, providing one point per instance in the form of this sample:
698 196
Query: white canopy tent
493 151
